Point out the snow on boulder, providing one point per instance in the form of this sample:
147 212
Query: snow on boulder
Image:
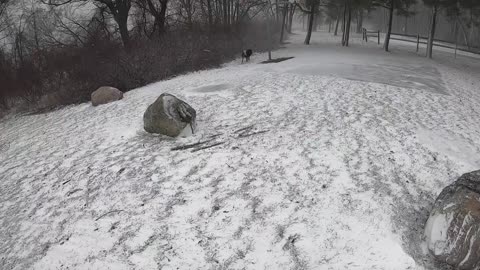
105 94
453 228
169 116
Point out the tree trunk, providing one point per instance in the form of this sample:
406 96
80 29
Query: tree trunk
464 33
161 17
472 27
431 37
360 21
229 4
277 15
122 26
282 31
336 25
120 12
237 11
19 48
225 15
456 37
311 18
290 20
269 32
35 32
390 22
209 11
188 9
232 12
348 26
344 23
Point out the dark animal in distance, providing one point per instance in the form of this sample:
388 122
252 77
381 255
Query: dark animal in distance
246 54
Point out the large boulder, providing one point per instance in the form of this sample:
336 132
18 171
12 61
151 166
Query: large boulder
453 228
169 116
105 94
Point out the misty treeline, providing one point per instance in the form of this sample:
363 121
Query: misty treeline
462 17
57 52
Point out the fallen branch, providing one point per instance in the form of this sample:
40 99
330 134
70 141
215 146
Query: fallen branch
113 211
215 136
206 147
243 135
73 191
245 128
187 146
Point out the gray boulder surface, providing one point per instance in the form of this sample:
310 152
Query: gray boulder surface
105 94
169 116
453 227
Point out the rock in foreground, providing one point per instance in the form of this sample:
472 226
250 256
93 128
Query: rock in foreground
169 116
105 94
453 228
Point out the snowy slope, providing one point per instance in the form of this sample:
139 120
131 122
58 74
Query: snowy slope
320 164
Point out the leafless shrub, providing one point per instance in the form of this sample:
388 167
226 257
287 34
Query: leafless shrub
68 74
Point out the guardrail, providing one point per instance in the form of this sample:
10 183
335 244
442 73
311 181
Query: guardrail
420 40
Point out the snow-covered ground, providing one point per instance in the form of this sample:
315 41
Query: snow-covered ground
330 160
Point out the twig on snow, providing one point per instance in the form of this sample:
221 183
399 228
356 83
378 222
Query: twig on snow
208 146
113 211
244 129
215 135
187 146
243 135
73 191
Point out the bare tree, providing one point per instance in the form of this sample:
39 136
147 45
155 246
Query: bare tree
311 17
347 18
3 6
401 6
334 12
157 9
187 10
119 9
3 11
290 17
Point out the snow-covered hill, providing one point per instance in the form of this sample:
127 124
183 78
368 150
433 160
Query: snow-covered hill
330 160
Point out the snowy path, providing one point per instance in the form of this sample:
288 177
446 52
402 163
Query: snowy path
342 177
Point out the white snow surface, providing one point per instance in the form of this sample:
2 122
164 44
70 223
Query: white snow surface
436 232
330 160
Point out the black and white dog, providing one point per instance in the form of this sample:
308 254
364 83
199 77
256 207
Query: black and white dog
246 54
